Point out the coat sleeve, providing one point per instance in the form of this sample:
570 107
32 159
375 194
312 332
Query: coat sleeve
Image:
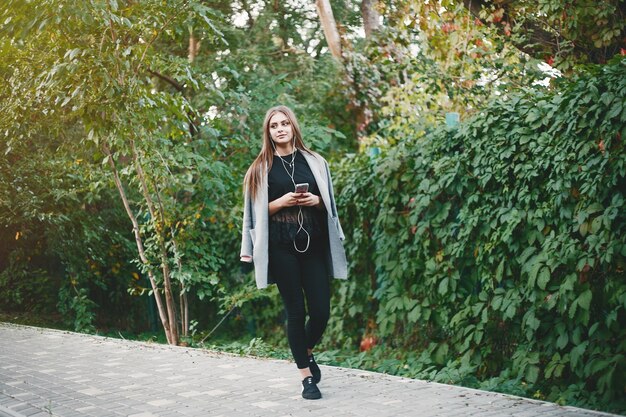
333 206
246 239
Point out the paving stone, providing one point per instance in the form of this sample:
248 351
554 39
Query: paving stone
74 375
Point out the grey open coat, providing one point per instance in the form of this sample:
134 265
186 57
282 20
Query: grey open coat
255 233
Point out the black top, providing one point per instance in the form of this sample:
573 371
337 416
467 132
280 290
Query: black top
283 227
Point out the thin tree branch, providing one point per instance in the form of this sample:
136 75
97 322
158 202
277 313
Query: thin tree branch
158 33
139 242
168 80
169 299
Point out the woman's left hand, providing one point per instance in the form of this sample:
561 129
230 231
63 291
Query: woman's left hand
309 200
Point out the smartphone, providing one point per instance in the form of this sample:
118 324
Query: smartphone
302 188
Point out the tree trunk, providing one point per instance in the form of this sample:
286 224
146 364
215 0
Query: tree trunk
194 46
142 254
184 312
371 18
325 13
159 218
184 299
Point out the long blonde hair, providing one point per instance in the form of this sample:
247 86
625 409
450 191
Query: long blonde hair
263 161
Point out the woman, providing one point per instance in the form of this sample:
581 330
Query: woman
293 236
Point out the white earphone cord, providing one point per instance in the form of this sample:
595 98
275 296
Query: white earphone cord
300 214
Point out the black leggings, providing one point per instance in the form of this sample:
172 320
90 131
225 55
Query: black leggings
294 272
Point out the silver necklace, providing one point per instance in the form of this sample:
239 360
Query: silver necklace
291 165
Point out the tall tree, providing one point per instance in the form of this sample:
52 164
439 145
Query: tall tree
100 78
371 17
329 26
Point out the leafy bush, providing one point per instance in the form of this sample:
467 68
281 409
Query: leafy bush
255 347
25 287
497 250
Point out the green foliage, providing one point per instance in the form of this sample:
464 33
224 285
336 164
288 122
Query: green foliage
79 307
498 249
587 31
429 58
23 288
85 78
255 347
565 33
491 255
62 230
99 83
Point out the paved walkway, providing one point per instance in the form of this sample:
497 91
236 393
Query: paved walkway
47 372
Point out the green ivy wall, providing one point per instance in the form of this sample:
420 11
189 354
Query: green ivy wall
494 253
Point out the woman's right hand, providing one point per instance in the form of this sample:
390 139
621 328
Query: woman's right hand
287 200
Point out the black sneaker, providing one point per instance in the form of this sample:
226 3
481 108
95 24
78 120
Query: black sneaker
310 390
315 370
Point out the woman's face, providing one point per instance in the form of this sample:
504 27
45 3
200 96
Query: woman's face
280 128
